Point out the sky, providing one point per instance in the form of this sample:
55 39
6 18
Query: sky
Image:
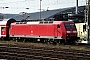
17 6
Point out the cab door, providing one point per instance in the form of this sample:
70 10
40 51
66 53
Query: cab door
58 32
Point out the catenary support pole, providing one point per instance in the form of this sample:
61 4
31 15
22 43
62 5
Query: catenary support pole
88 17
76 6
40 9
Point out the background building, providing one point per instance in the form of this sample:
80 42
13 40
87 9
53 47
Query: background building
58 14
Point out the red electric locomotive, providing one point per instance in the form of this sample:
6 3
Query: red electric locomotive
45 31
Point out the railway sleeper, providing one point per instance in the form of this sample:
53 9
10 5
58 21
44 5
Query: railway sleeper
58 56
38 57
69 50
78 54
12 54
22 52
37 54
12 51
29 56
86 58
87 52
3 49
61 56
3 53
12 57
58 52
21 55
1 44
46 54
54 59
30 52
37 50
35 59
24 49
88 55
4 56
69 56
11 47
20 58
45 58
70 53
79 57
47 51
53 56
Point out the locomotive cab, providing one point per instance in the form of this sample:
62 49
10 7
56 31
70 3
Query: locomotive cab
71 32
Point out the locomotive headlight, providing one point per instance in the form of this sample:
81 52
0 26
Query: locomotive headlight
74 31
67 35
68 31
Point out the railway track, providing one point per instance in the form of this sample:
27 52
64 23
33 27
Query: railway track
21 52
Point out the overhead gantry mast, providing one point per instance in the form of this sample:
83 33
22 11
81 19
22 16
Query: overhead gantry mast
87 18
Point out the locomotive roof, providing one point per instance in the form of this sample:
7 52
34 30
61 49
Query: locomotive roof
40 22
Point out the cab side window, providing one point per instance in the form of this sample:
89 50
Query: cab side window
58 26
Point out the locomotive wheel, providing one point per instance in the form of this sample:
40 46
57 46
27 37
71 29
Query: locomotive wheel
58 41
43 41
62 41
74 42
52 41
14 39
70 41
46 41
34 40
2 38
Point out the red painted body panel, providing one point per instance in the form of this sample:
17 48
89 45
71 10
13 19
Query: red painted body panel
48 29
36 30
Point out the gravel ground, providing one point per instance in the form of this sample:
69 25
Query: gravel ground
61 46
